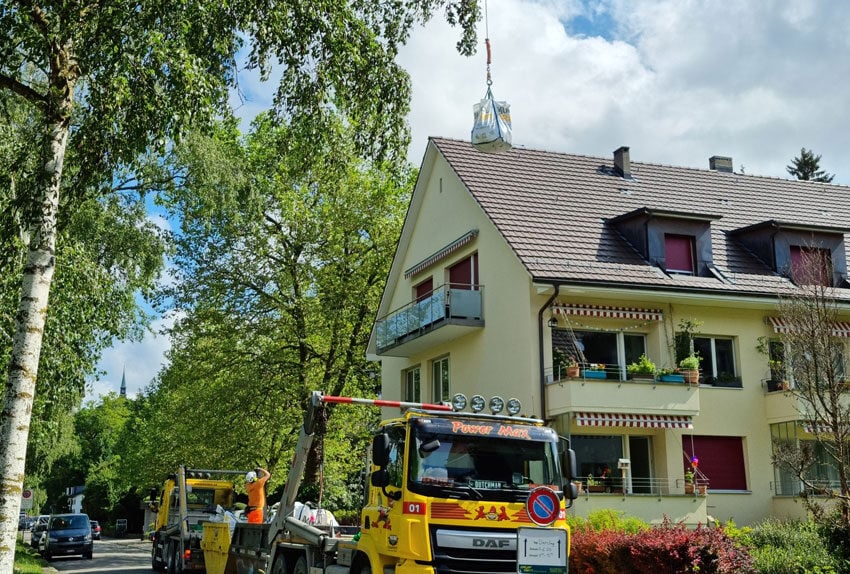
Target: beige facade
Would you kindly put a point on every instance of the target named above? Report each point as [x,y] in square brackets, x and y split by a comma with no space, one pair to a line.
[493,333]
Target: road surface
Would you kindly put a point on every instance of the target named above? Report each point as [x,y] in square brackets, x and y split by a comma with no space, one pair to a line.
[123,555]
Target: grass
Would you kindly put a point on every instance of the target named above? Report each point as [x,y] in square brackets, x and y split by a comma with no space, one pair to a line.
[27,560]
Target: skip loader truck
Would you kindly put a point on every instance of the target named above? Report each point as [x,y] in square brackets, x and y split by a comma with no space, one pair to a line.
[188,498]
[447,492]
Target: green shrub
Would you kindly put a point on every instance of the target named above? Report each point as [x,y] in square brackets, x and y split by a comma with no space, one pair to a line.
[791,547]
[607,519]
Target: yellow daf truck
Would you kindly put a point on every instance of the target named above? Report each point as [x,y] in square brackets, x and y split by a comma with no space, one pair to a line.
[448,491]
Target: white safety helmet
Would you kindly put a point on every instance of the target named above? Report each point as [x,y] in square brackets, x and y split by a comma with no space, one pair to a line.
[251,476]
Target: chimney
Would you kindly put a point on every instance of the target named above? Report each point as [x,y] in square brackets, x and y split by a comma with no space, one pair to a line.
[720,163]
[622,164]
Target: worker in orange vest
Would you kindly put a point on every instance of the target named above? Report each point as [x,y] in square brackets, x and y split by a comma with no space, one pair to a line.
[255,484]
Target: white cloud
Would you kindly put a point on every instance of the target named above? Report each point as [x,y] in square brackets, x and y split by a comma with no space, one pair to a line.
[140,360]
[676,80]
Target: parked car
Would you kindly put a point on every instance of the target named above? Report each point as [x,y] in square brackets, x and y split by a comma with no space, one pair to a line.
[38,529]
[67,534]
[95,530]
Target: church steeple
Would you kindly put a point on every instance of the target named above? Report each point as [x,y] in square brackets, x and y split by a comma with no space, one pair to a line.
[123,392]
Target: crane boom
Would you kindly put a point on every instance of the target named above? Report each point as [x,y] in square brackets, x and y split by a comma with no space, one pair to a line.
[312,415]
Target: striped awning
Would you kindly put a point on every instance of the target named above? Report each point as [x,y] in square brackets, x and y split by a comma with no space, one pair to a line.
[779,325]
[817,428]
[441,254]
[608,312]
[634,420]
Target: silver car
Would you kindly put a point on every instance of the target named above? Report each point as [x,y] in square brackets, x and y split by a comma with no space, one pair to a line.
[38,529]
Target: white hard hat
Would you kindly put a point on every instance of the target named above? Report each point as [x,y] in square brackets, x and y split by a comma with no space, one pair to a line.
[251,476]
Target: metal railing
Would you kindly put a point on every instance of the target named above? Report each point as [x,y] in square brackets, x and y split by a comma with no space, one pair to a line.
[822,488]
[418,317]
[636,485]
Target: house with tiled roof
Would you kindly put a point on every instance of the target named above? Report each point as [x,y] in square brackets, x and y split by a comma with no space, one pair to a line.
[509,263]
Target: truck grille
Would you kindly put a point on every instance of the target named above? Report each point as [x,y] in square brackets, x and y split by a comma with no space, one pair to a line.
[467,551]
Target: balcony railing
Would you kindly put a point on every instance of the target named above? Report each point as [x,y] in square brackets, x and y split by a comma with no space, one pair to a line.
[447,304]
[822,488]
[657,486]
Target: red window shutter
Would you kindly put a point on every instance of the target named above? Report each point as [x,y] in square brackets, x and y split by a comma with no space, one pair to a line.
[721,460]
[424,289]
[679,253]
[463,274]
[812,266]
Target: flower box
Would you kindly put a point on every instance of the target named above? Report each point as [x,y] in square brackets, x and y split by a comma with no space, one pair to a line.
[588,374]
[672,378]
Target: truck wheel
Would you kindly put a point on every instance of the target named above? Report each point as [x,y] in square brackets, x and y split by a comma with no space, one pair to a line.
[168,552]
[366,569]
[301,566]
[176,566]
[279,564]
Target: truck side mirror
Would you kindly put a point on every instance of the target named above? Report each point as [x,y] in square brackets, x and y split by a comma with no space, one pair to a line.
[381,450]
[153,494]
[380,478]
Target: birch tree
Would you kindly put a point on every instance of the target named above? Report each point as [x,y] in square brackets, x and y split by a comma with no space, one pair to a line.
[816,356]
[115,79]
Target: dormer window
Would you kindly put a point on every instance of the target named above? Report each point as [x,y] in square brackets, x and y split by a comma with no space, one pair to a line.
[679,253]
[678,242]
[811,265]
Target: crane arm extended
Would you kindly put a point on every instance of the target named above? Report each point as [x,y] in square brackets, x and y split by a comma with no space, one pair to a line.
[312,416]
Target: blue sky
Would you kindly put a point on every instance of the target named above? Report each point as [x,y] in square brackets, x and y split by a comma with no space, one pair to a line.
[677,81]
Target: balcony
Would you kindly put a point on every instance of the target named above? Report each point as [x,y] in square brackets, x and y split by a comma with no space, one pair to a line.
[447,313]
[605,392]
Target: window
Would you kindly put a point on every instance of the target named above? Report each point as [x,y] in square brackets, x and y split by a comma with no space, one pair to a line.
[599,455]
[679,253]
[464,274]
[440,380]
[412,385]
[395,467]
[615,350]
[811,266]
[424,289]
[716,358]
[721,460]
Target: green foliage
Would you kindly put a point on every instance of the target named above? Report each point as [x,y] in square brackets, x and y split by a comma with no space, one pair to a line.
[807,167]
[28,560]
[282,255]
[607,519]
[691,362]
[643,366]
[789,547]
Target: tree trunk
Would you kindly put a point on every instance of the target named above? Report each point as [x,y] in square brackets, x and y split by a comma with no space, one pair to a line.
[26,346]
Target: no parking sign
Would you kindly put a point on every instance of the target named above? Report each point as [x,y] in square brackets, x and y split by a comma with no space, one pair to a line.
[26,499]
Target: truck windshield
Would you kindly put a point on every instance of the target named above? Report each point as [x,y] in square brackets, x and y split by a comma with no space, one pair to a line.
[472,459]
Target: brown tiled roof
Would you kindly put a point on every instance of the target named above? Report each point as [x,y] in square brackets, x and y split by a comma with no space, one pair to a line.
[552,209]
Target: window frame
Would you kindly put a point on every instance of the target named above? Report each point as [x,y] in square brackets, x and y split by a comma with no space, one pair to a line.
[712,360]
[676,240]
[442,384]
[570,347]
[412,376]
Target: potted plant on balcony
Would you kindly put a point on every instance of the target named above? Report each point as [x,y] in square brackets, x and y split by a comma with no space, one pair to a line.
[670,376]
[689,481]
[642,369]
[595,371]
[594,484]
[565,363]
[689,368]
